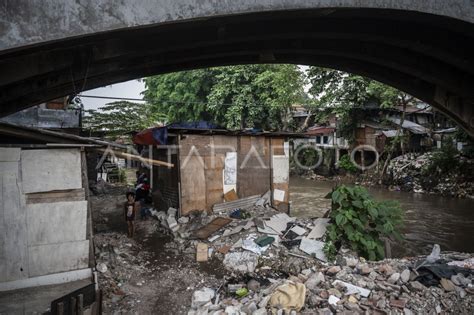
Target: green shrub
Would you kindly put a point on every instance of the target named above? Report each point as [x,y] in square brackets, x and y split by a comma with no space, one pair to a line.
[346,164]
[359,222]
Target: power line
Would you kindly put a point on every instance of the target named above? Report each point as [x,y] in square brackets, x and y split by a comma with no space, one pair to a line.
[113,98]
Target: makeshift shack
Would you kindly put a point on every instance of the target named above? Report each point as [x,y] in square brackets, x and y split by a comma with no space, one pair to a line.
[45,217]
[214,165]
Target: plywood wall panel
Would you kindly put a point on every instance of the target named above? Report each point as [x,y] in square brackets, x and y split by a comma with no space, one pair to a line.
[193,184]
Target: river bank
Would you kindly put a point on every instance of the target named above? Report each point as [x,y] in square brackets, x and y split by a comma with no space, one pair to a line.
[428,173]
[157,272]
[428,219]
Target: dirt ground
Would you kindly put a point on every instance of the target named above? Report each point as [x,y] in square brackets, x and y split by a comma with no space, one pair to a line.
[145,274]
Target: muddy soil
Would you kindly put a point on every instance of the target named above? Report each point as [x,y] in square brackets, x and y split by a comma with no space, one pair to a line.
[145,274]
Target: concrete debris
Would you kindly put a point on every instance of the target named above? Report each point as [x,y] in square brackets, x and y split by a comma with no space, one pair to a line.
[313,247]
[352,289]
[347,285]
[241,261]
[278,222]
[101,267]
[202,297]
[319,229]
[298,230]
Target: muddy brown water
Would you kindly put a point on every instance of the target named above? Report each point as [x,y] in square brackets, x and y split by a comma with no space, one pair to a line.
[429,219]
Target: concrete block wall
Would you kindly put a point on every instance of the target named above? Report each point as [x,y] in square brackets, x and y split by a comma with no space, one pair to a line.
[47,236]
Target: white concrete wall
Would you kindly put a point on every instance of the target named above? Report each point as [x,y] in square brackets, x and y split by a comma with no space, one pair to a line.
[51,169]
[38,239]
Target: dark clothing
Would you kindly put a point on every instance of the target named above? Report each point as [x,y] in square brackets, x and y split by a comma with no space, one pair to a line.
[130,210]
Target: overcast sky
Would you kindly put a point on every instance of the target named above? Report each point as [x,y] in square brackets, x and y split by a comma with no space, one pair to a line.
[128,89]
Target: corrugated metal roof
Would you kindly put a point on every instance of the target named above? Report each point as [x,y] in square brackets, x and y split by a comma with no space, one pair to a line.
[413,127]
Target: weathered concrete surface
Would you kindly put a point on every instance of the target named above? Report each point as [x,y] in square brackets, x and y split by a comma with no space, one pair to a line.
[56,222]
[45,118]
[40,238]
[13,243]
[25,22]
[48,170]
[54,258]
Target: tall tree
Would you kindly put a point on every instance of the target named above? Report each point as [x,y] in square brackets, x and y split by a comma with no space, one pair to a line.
[181,96]
[234,96]
[122,117]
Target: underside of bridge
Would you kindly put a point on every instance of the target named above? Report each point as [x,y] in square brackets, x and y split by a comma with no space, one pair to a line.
[428,56]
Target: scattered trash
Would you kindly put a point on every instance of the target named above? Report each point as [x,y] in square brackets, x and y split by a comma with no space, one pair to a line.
[242,292]
[212,227]
[241,261]
[319,229]
[101,267]
[264,240]
[241,203]
[289,296]
[434,256]
[202,297]
[201,252]
[313,247]
[240,214]
[230,196]
[352,289]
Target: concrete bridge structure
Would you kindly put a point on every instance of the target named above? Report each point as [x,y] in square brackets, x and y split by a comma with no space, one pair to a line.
[52,48]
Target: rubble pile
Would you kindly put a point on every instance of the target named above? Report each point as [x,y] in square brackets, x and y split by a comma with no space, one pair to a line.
[351,286]
[275,264]
[406,171]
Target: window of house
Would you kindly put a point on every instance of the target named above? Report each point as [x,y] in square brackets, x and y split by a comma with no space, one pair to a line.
[325,139]
[318,139]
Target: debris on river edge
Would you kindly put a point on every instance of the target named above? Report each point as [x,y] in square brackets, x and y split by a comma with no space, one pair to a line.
[271,263]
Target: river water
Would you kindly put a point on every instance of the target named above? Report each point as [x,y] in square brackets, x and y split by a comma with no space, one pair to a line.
[428,219]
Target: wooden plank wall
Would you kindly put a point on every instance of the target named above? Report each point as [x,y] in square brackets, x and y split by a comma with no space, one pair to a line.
[253,166]
[202,163]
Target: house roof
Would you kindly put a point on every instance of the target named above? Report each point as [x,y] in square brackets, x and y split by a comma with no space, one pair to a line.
[159,135]
[319,130]
[411,126]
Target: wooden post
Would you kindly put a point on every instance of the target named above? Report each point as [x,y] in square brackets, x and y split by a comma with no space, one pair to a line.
[80,304]
[89,229]
[72,306]
[60,310]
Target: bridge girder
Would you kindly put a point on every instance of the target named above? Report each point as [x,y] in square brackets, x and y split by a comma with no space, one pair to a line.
[427,55]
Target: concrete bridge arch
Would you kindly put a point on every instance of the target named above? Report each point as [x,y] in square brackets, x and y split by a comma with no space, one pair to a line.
[52,48]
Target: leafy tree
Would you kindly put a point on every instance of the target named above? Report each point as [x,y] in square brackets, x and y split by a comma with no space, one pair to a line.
[234,96]
[181,96]
[119,118]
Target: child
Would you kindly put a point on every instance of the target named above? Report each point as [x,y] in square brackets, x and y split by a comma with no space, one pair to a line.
[130,209]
